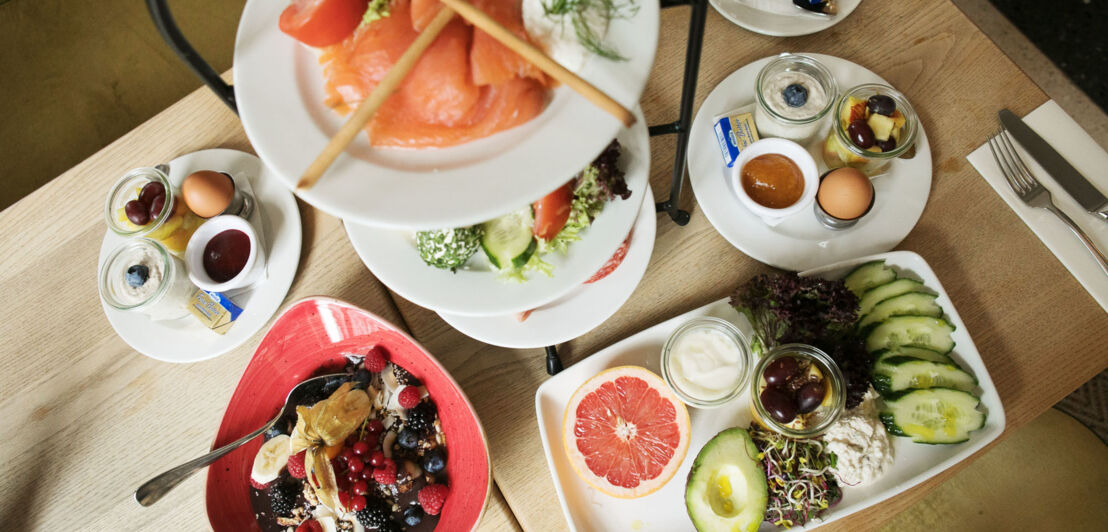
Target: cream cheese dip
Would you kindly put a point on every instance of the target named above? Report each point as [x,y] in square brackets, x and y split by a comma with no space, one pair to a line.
[706,362]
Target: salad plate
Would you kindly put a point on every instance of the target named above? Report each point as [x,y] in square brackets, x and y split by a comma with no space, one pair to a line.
[477,290]
[317,333]
[579,311]
[186,339]
[586,508]
[781,24]
[800,242]
[279,87]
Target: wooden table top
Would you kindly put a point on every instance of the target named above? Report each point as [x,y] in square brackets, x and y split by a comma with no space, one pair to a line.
[89,419]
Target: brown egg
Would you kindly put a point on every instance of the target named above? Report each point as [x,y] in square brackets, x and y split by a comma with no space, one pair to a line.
[845,193]
[207,193]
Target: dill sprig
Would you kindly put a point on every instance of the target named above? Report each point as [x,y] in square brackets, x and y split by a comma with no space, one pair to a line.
[585,15]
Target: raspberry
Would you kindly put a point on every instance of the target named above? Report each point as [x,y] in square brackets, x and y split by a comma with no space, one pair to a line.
[311,525]
[376,359]
[409,397]
[386,474]
[296,465]
[256,485]
[432,497]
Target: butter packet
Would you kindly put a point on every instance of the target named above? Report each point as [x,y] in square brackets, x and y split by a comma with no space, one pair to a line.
[734,132]
[215,310]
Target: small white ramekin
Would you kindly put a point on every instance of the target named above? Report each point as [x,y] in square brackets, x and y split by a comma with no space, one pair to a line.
[252,272]
[794,152]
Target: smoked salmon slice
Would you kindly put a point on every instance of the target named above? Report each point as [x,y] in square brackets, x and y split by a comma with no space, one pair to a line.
[493,62]
[439,103]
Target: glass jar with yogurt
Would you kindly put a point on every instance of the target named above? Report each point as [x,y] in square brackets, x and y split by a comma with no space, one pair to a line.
[143,203]
[706,362]
[794,93]
[142,276]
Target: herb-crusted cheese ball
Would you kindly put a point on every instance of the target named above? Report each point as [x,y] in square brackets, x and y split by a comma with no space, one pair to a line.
[448,248]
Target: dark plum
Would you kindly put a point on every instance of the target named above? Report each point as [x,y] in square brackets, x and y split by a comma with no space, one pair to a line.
[809,397]
[886,145]
[860,134]
[780,371]
[881,104]
[780,405]
[136,212]
[150,191]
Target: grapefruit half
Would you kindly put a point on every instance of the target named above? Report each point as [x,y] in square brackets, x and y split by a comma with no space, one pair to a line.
[625,432]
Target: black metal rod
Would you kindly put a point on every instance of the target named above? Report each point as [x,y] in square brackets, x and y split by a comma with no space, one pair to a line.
[664,129]
[688,97]
[553,363]
[172,35]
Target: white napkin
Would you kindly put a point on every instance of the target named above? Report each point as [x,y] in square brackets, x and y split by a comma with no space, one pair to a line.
[1064,135]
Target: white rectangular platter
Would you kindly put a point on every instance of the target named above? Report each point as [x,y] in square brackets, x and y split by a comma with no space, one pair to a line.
[664,510]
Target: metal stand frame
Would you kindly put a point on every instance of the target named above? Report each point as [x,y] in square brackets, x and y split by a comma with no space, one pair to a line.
[167,27]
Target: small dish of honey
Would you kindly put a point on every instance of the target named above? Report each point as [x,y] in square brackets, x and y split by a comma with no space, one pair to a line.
[775,178]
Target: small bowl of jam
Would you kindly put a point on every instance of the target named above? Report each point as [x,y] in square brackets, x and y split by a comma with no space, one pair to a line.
[225,254]
[775,178]
[797,390]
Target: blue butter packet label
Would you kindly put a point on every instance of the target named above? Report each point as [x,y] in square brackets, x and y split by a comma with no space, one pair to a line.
[215,310]
[734,132]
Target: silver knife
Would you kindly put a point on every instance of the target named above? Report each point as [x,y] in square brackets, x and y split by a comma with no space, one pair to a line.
[1075,184]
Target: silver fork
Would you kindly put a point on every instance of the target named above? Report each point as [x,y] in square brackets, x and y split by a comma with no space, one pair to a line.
[1031,191]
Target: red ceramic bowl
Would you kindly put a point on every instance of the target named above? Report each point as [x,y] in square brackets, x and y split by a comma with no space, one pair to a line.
[315,333]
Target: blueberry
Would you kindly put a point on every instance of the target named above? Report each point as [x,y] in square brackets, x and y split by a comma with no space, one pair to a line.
[408,439]
[413,515]
[361,379]
[796,95]
[434,462]
[137,275]
[881,104]
[273,432]
[332,384]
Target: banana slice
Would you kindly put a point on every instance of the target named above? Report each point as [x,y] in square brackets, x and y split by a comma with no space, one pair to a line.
[271,459]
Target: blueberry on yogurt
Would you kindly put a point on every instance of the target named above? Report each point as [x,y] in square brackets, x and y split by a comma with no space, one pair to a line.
[796,95]
[137,275]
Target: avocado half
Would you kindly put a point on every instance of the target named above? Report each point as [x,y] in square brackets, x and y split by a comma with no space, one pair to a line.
[726,489]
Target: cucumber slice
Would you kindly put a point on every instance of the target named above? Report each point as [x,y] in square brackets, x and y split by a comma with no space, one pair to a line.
[934,415]
[877,294]
[895,374]
[915,331]
[910,304]
[869,275]
[508,241]
[913,352]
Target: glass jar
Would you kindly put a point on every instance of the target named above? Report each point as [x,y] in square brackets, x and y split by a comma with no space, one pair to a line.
[173,225]
[164,290]
[807,425]
[700,366]
[774,116]
[840,151]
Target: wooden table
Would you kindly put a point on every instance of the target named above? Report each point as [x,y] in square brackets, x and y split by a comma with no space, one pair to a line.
[88,419]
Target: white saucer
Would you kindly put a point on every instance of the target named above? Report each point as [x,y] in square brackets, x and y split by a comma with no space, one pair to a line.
[578,312]
[800,242]
[186,339]
[780,25]
[476,289]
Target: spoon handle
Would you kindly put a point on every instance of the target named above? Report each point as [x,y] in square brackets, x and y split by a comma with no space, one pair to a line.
[155,488]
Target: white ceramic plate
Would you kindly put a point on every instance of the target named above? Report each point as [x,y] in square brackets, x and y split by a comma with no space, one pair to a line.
[587,509]
[579,311]
[800,242]
[279,89]
[476,291]
[781,25]
[185,339]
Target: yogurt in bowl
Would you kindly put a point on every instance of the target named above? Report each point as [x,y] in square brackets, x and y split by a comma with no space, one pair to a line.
[706,362]
[794,94]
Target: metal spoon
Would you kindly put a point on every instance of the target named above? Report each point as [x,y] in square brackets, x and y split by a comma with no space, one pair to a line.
[153,490]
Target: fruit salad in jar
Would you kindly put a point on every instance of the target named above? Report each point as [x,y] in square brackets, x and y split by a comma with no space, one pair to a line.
[874,125]
[144,203]
[386,472]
